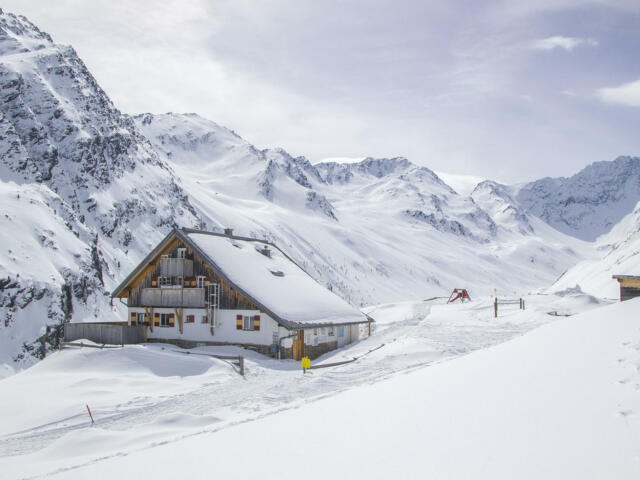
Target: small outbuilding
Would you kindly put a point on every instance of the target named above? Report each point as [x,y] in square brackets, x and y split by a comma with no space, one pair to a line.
[200,287]
[629,286]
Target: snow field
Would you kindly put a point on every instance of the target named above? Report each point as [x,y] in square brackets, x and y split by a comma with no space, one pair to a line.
[144,396]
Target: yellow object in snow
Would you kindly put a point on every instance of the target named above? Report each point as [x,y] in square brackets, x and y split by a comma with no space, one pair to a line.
[306,363]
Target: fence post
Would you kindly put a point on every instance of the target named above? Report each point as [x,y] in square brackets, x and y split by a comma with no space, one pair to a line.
[122,336]
[495,308]
[523,303]
[241,365]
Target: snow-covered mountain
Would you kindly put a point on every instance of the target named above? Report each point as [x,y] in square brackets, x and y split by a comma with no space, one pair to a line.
[87,191]
[589,203]
[376,230]
[617,253]
[80,188]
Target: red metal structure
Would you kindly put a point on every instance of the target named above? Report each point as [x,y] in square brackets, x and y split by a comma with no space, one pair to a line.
[459,293]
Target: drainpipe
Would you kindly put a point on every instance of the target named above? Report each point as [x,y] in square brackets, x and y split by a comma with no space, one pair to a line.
[280,342]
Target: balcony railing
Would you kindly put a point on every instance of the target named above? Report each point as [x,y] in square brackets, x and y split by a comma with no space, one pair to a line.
[173,297]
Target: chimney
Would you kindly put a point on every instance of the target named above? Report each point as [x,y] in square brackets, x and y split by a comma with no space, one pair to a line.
[265,251]
[228,232]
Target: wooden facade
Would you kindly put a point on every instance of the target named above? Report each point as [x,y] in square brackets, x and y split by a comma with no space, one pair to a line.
[146,291]
[629,286]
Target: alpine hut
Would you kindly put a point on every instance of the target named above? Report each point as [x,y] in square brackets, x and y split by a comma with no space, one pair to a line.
[629,286]
[198,287]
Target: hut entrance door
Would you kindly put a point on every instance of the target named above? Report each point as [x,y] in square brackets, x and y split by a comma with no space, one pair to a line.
[298,346]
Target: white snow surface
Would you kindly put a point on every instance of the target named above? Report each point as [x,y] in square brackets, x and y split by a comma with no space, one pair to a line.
[557,402]
[276,282]
[616,253]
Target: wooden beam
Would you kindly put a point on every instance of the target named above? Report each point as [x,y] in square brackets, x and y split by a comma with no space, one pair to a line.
[179,311]
[149,312]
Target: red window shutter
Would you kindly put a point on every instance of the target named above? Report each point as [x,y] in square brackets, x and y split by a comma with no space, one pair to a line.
[171,320]
[256,322]
[238,322]
[156,319]
[133,318]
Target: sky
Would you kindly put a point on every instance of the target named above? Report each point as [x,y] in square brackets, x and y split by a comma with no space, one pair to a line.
[509,90]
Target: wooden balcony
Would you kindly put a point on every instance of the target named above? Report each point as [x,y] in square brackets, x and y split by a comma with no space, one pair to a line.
[172,297]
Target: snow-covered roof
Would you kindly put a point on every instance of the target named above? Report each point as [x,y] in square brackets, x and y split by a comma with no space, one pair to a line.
[274,282]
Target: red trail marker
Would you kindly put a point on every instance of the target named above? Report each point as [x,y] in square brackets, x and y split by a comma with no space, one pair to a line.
[89,410]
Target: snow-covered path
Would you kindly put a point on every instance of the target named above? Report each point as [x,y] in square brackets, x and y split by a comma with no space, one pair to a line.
[186,395]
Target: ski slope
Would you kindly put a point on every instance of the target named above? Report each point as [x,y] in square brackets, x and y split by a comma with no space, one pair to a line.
[147,398]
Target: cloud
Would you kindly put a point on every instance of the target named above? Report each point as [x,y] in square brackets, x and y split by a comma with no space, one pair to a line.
[567,43]
[626,94]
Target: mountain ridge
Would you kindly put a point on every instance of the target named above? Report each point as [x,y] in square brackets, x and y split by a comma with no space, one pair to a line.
[87,191]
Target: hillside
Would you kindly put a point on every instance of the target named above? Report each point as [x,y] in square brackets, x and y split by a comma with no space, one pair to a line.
[557,401]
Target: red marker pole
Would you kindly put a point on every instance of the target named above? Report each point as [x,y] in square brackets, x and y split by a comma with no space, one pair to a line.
[89,410]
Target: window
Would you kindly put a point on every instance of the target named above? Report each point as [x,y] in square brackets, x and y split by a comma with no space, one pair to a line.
[191,319]
[140,318]
[247,322]
[341,331]
[204,319]
[179,281]
[331,334]
[163,281]
[182,252]
[201,281]
[164,319]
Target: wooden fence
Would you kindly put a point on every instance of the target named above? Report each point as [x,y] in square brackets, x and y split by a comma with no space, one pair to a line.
[105,333]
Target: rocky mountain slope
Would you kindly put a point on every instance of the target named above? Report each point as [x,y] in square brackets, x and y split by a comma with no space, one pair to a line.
[80,188]
[589,203]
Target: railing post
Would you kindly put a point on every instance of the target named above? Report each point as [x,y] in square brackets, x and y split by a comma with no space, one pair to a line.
[495,308]
[241,365]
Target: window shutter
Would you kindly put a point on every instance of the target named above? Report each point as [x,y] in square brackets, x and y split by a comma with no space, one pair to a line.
[156,319]
[238,322]
[256,322]
[133,318]
[171,319]
[154,282]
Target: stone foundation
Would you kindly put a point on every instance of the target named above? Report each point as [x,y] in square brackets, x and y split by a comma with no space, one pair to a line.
[314,351]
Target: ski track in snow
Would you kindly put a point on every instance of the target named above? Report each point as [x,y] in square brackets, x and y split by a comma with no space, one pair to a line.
[271,386]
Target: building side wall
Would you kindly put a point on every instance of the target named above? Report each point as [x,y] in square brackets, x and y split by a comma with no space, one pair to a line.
[629,282]
[627,293]
[225,330]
